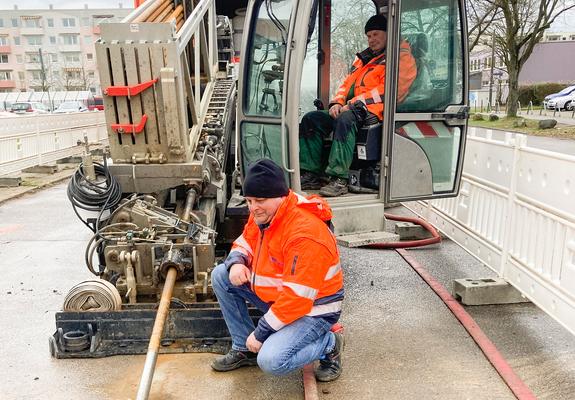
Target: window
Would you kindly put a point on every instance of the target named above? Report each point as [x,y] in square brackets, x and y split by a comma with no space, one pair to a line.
[69,39]
[17,40]
[34,40]
[56,74]
[33,57]
[91,74]
[68,22]
[21,75]
[89,56]
[37,75]
[3,40]
[1,23]
[54,57]
[52,39]
[72,57]
[85,21]
[50,22]
[5,76]
[72,74]
[14,22]
[3,58]
[88,39]
[32,23]
[19,59]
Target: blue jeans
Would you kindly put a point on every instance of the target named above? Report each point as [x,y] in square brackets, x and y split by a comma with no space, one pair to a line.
[295,345]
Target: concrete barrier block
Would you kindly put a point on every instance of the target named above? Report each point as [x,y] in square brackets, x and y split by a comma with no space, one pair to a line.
[474,292]
[10,181]
[411,231]
[42,169]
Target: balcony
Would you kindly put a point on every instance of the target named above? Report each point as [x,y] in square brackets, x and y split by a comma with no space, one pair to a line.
[31,66]
[24,31]
[5,49]
[76,48]
[7,84]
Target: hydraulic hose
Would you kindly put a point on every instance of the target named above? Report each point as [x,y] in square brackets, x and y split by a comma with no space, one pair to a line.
[435,238]
[98,195]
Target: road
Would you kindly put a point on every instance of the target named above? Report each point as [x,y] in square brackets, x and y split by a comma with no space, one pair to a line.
[402,342]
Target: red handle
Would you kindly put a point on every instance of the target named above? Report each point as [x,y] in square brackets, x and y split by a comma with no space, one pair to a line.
[130,128]
[131,90]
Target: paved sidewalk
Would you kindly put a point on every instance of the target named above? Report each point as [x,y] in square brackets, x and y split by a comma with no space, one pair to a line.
[34,182]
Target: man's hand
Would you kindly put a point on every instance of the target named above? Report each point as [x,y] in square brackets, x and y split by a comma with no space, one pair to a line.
[239,274]
[253,344]
[335,110]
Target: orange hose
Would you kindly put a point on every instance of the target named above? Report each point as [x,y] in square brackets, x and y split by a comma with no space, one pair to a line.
[435,238]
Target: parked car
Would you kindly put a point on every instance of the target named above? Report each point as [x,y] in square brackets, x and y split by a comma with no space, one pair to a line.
[29,107]
[96,104]
[70,106]
[564,102]
[567,91]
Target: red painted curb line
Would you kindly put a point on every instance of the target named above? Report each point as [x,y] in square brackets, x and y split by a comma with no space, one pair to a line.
[517,386]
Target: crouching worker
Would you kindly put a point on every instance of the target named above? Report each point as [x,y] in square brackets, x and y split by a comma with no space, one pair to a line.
[286,263]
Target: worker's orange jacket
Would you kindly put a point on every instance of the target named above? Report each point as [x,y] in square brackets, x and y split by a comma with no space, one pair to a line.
[294,263]
[367,79]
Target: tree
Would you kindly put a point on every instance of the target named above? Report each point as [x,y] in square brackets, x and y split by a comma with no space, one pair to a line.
[521,27]
[480,15]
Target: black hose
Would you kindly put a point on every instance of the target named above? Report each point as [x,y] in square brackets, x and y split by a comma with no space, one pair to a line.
[98,195]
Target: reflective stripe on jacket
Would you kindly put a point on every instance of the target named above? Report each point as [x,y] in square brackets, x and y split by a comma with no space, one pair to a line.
[368,81]
[294,263]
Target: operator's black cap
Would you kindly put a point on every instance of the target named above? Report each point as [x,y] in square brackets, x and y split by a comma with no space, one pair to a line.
[376,23]
[265,179]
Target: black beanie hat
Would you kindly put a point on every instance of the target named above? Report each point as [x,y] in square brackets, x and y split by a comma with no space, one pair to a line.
[376,23]
[265,179]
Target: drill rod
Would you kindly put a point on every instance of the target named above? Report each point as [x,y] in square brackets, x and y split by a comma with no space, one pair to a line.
[157,332]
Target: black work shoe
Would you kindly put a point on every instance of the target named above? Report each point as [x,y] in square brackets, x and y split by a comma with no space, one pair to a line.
[310,181]
[336,187]
[235,359]
[329,369]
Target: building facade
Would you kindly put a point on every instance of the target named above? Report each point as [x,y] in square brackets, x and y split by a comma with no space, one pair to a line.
[51,49]
[552,60]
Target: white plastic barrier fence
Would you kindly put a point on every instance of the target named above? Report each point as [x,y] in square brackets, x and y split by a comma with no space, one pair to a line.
[26,141]
[516,213]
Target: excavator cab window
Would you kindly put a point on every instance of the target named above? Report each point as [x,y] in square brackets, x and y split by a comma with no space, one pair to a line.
[264,76]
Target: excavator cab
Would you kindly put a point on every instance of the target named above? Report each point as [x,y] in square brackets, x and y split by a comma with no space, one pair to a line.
[297,53]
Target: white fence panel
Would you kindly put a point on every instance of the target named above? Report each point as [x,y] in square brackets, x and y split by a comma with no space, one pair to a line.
[516,213]
[26,141]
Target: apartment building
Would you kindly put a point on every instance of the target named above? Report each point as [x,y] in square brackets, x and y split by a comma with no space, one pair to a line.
[52,49]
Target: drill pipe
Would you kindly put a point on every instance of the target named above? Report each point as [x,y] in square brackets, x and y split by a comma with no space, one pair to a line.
[157,332]
[163,310]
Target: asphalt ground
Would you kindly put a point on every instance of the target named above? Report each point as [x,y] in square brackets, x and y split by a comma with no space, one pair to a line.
[401,341]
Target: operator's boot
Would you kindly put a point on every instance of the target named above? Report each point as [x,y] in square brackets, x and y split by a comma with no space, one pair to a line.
[235,359]
[310,181]
[329,368]
[336,187]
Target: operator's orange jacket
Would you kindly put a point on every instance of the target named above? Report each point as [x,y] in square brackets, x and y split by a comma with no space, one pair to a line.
[294,263]
[367,79]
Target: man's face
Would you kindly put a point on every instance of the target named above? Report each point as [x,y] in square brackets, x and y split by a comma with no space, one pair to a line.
[376,40]
[263,209]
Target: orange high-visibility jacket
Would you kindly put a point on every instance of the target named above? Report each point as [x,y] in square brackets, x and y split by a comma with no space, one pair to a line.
[368,81]
[294,263]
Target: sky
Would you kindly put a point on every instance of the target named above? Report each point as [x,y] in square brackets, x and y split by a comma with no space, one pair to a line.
[64,4]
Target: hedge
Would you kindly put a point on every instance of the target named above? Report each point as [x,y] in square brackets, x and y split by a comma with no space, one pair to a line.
[537,92]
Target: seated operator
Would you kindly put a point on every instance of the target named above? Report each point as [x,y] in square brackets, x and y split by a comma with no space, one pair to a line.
[363,89]
[286,263]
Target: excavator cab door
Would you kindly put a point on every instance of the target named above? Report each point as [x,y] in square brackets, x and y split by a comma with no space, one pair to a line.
[261,129]
[426,129]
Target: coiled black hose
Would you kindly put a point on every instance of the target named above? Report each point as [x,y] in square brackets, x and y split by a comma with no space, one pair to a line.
[98,195]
